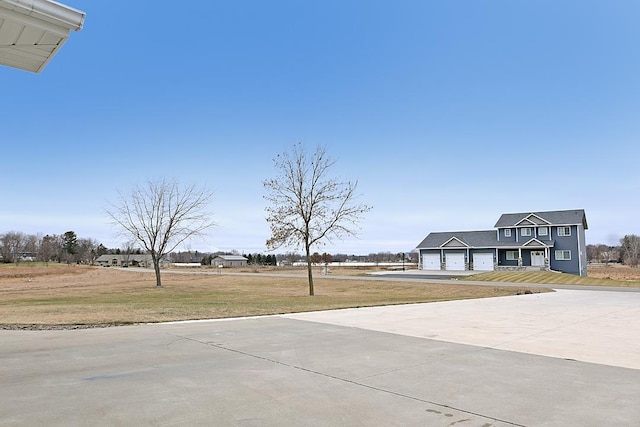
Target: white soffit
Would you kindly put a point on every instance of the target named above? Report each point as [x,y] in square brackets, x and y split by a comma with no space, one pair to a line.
[32,31]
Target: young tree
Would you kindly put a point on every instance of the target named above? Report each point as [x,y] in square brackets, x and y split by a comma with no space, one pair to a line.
[308,205]
[162,215]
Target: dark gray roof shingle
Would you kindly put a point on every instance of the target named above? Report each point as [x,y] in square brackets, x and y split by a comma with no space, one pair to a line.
[568,217]
[484,238]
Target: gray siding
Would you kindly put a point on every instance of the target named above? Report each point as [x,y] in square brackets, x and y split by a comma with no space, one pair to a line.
[543,238]
[503,261]
[504,238]
[566,243]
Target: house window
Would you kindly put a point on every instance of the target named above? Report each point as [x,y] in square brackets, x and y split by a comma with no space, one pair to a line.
[512,255]
[526,231]
[507,232]
[543,231]
[564,231]
[563,255]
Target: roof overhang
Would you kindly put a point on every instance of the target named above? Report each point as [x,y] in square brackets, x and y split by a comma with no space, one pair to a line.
[33,31]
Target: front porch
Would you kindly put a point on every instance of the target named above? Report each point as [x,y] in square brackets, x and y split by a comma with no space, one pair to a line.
[524,258]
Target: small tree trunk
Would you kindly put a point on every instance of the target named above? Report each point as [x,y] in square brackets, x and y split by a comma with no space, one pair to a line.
[309,272]
[156,267]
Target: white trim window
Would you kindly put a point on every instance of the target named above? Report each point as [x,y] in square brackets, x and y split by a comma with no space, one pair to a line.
[507,232]
[512,255]
[525,232]
[563,255]
[564,231]
[543,231]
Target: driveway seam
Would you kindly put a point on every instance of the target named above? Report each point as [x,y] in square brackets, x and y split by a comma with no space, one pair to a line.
[345,380]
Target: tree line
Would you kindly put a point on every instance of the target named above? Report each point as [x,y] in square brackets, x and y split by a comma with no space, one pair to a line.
[16,246]
[627,252]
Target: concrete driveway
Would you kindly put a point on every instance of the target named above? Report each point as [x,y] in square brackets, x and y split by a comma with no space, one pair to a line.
[562,359]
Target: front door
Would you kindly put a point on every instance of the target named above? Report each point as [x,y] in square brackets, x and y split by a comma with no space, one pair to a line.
[537,259]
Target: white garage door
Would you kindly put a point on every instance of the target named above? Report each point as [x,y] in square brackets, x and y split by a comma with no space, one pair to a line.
[431,262]
[454,261]
[483,262]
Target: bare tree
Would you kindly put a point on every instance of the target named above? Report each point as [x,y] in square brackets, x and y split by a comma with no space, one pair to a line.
[50,247]
[162,215]
[128,248]
[87,250]
[32,245]
[630,248]
[307,204]
[12,245]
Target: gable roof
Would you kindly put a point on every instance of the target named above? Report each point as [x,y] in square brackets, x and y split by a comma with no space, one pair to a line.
[33,31]
[454,242]
[535,243]
[568,217]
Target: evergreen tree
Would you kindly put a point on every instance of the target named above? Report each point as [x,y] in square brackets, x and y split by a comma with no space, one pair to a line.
[70,242]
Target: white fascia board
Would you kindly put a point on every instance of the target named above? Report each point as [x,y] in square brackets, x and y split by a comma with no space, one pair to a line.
[48,11]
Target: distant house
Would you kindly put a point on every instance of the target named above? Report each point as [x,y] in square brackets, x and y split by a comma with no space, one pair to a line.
[144,261]
[229,261]
[553,240]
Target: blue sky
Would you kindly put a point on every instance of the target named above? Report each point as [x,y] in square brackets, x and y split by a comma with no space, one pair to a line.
[448,113]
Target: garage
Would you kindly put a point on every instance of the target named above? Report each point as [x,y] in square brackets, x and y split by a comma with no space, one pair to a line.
[431,261]
[454,261]
[483,262]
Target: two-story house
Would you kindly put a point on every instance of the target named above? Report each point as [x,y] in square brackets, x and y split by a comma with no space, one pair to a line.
[553,240]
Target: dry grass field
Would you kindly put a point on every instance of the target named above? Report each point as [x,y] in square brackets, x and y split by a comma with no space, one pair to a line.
[615,272]
[64,296]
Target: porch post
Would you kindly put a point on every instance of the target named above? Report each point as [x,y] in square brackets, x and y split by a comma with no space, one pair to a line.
[547,261]
[519,257]
[468,263]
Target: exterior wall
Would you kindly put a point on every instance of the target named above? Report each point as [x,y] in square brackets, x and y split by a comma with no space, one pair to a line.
[228,263]
[543,238]
[143,261]
[502,258]
[582,248]
[566,243]
[535,233]
[522,238]
[503,238]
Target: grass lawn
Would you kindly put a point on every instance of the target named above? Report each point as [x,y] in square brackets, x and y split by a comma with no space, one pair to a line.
[547,277]
[80,295]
